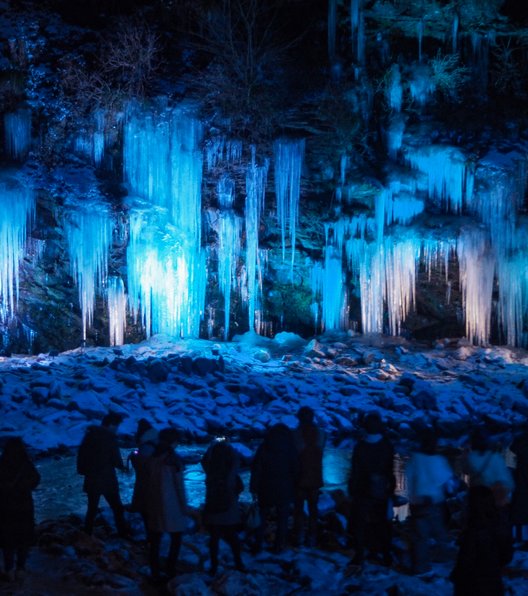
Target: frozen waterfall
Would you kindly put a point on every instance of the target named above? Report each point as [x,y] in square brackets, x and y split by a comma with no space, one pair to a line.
[17,129]
[17,206]
[288,166]
[88,230]
[166,264]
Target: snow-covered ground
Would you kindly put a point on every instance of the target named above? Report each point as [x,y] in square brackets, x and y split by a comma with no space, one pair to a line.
[205,388]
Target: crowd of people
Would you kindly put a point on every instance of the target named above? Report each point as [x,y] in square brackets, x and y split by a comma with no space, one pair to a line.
[286,479]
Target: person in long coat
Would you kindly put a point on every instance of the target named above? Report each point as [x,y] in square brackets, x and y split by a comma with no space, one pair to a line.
[309,440]
[18,479]
[519,504]
[166,502]
[485,547]
[371,484]
[97,460]
[273,480]
[146,441]
[222,509]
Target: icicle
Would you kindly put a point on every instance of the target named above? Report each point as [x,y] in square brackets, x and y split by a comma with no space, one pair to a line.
[332,27]
[166,264]
[480,51]
[116,301]
[327,282]
[99,137]
[17,127]
[166,276]
[357,30]
[229,235]
[218,150]
[288,165]
[256,177]
[89,235]
[394,91]
[476,269]
[395,135]
[454,34]
[449,179]
[17,209]
[420,32]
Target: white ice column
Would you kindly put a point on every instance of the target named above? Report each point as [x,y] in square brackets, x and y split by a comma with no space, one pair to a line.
[288,166]
[17,128]
[163,165]
[17,208]
[256,177]
[229,250]
[476,261]
[117,304]
[88,230]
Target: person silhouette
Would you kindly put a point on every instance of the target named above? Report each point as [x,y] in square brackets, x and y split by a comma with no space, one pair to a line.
[97,460]
[18,479]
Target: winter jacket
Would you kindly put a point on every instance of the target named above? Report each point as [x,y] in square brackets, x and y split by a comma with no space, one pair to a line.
[139,460]
[222,492]
[428,476]
[371,475]
[166,499]
[17,517]
[97,459]
[274,473]
[309,442]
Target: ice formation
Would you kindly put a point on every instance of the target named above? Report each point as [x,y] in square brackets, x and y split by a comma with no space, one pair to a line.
[288,166]
[88,230]
[17,129]
[166,263]
[448,178]
[116,304]
[256,178]
[17,205]
[229,240]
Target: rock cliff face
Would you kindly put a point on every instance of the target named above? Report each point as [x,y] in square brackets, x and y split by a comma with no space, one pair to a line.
[166,170]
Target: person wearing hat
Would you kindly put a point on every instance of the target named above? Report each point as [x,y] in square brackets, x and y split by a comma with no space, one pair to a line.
[370,486]
[97,460]
[309,443]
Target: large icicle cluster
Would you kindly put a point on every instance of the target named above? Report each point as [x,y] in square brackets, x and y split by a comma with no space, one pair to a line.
[288,166]
[256,178]
[17,130]
[17,207]
[88,230]
[166,263]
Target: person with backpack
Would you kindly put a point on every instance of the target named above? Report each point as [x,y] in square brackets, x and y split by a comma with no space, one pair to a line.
[309,443]
[370,486]
[97,460]
[223,486]
[166,502]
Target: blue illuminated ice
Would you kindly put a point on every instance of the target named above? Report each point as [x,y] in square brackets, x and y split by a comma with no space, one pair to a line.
[88,230]
[17,209]
[256,178]
[17,132]
[117,308]
[288,166]
[167,273]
